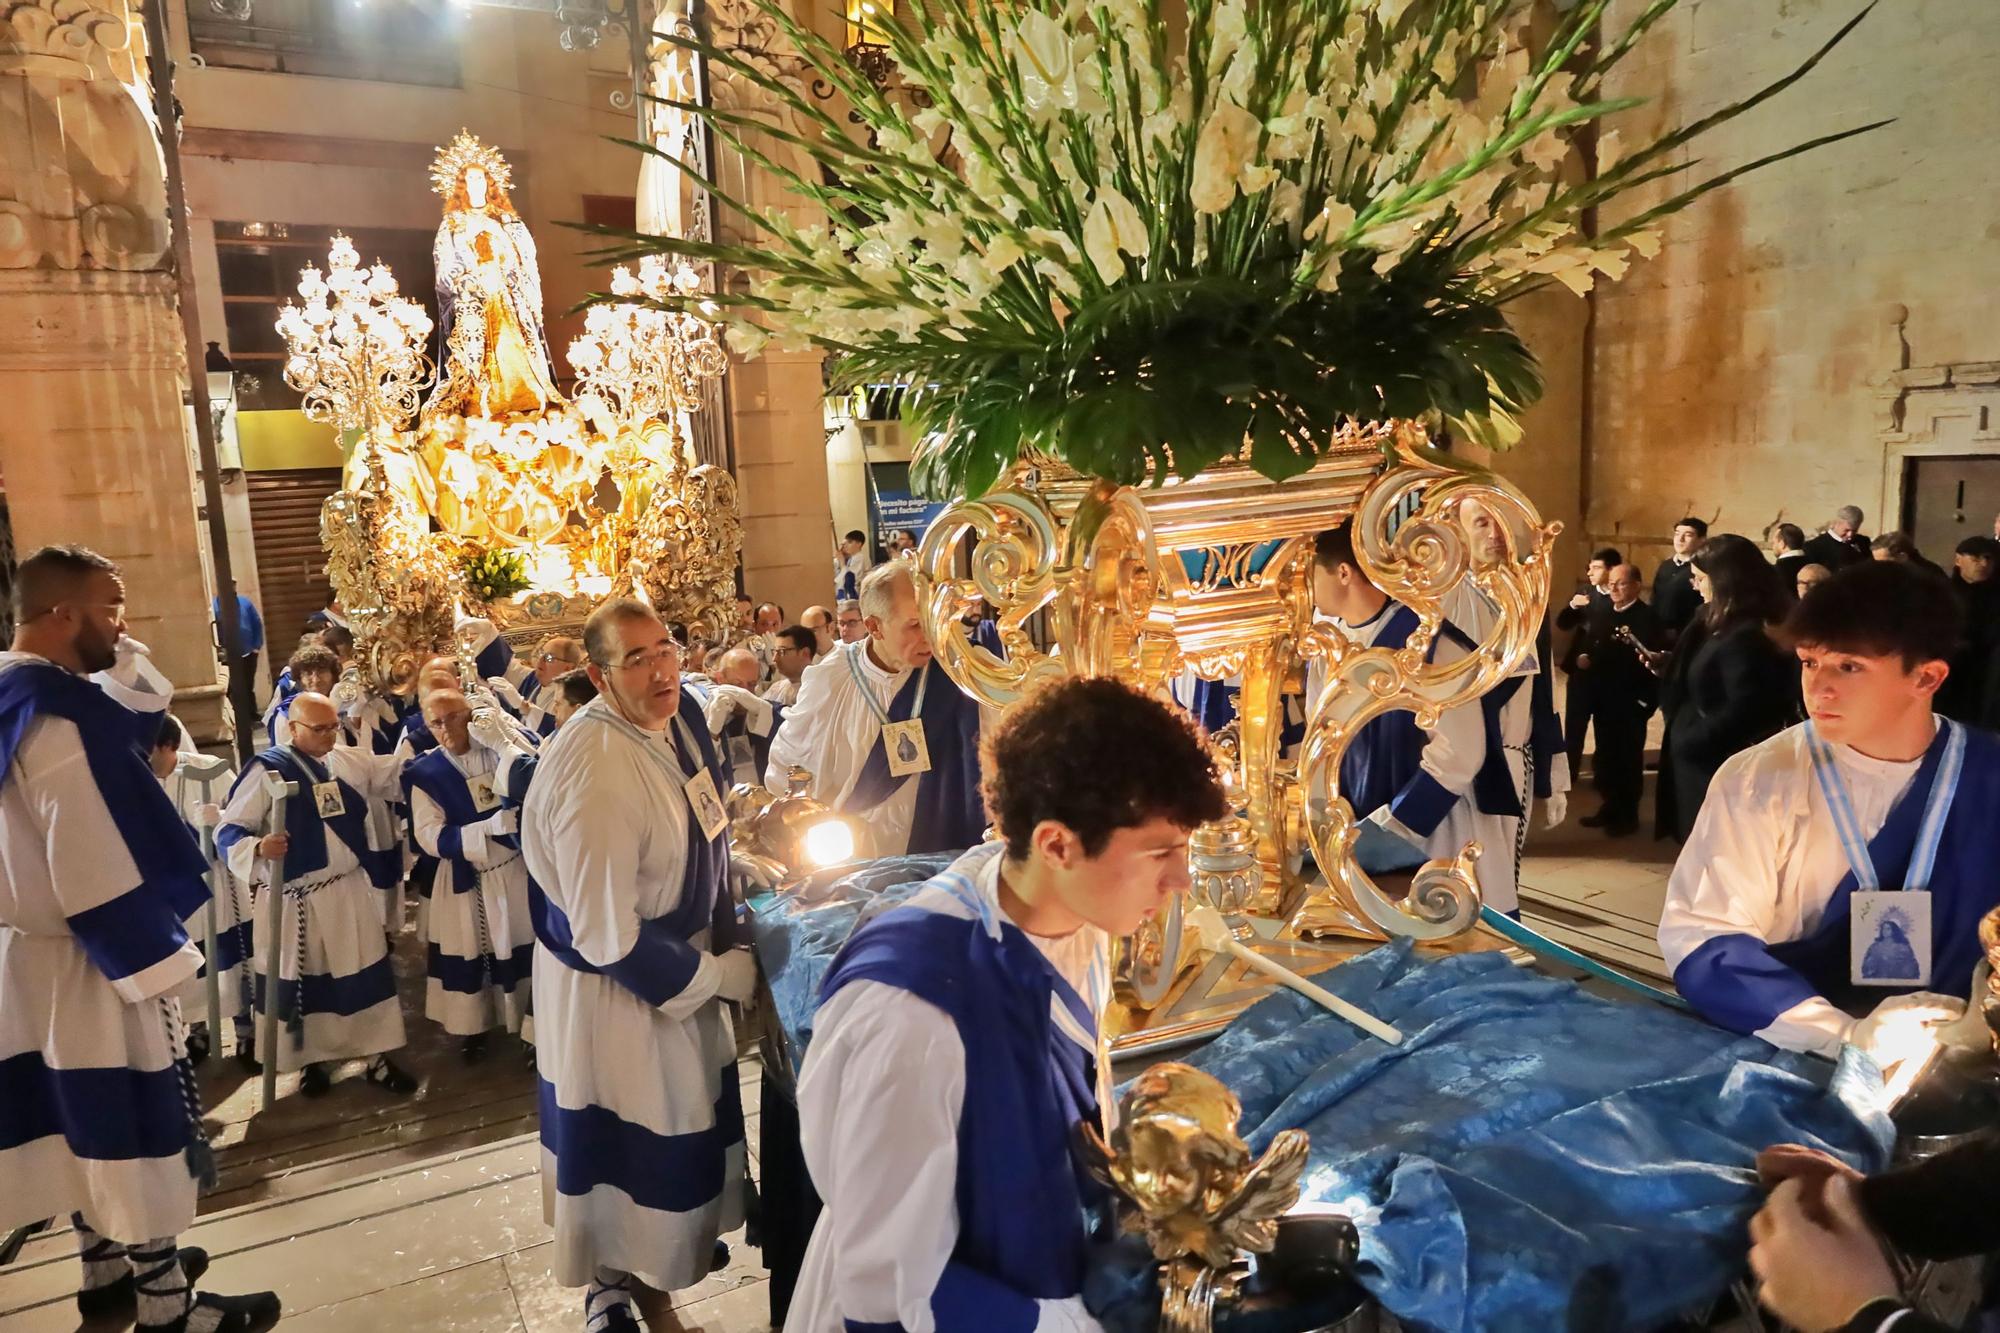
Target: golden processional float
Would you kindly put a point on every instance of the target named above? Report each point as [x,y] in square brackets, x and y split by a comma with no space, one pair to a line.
[495,496]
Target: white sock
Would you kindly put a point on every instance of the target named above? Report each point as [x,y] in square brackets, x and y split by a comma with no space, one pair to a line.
[104,1261]
[163,1287]
[611,1290]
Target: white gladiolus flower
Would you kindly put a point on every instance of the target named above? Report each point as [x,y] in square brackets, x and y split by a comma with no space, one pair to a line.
[1042,55]
[1113,228]
[1220,154]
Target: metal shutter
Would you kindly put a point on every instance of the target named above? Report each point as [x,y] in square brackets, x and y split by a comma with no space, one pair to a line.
[291,567]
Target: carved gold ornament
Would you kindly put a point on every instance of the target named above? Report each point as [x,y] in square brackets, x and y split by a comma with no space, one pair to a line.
[1188,1184]
[1210,579]
[464,152]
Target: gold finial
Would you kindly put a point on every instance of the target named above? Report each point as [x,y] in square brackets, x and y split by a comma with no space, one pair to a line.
[464,152]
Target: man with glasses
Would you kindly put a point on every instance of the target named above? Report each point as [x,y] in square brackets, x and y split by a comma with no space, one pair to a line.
[335,992]
[533,700]
[99,874]
[884,732]
[797,649]
[625,835]
[848,622]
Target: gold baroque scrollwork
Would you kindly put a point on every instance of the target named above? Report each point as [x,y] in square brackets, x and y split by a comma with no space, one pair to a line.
[1012,568]
[1468,547]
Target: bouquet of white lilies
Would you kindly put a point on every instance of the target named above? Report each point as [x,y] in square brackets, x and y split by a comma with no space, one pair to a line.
[1143,246]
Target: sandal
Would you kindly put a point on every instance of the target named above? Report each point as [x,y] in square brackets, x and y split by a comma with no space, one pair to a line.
[121,1296]
[384,1074]
[235,1314]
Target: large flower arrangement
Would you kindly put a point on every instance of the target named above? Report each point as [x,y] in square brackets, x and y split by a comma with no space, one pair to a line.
[1143,246]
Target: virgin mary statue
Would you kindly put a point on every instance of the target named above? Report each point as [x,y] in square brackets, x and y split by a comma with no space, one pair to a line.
[489,288]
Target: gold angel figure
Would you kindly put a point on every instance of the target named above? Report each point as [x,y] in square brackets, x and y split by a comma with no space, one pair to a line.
[1177,1159]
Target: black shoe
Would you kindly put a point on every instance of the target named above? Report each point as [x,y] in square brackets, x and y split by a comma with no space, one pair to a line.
[197,1046]
[720,1260]
[1593,821]
[1623,828]
[474,1048]
[240,1314]
[119,1297]
[315,1081]
[384,1074]
[248,1062]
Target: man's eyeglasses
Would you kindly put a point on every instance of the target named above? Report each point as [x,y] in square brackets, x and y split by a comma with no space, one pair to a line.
[550,659]
[317,728]
[665,655]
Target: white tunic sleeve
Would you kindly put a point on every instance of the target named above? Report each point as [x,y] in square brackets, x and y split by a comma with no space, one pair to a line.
[799,740]
[88,864]
[248,810]
[378,777]
[1726,882]
[588,862]
[878,1116]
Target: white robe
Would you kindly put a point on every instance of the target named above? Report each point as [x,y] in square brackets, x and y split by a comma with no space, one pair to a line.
[60,855]
[1764,860]
[343,917]
[830,731]
[879,1105]
[233,919]
[489,919]
[604,832]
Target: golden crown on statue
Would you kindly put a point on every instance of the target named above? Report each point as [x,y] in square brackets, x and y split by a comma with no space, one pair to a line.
[464,152]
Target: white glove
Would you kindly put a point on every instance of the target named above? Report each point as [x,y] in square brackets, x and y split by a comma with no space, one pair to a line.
[128,647]
[737,980]
[1555,810]
[1905,1025]
[490,730]
[506,822]
[728,700]
[504,690]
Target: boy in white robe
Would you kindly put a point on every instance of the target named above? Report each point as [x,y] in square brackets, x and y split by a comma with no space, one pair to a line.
[99,1118]
[1873,808]
[336,988]
[481,937]
[955,1047]
[641,1120]
[1416,787]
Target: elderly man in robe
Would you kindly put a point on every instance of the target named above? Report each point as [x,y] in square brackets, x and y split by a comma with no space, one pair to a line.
[625,835]
[481,937]
[884,732]
[99,1119]
[335,989]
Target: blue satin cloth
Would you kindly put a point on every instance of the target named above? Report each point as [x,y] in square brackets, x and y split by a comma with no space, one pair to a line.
[796,942]
[1533,1156]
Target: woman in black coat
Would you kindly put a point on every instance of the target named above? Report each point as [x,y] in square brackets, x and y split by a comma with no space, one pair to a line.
[1730,685]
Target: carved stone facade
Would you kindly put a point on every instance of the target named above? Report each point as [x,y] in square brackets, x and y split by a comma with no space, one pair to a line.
[93,442]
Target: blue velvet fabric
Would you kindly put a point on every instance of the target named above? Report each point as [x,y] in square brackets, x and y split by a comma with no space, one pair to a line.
[1532,1156]
[796,942]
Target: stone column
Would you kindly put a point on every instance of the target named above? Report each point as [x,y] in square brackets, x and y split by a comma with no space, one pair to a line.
[93,438]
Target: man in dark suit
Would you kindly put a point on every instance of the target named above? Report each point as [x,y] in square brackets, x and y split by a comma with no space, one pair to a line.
[1624,693]
[1573,619]
[1674,599]
[1788,554]
[1841,544]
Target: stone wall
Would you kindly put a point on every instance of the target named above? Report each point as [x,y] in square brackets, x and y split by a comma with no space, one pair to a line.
[1735,376]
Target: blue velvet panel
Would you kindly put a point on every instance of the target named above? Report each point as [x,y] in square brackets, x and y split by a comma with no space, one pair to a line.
[1532,1156]
[796,943]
